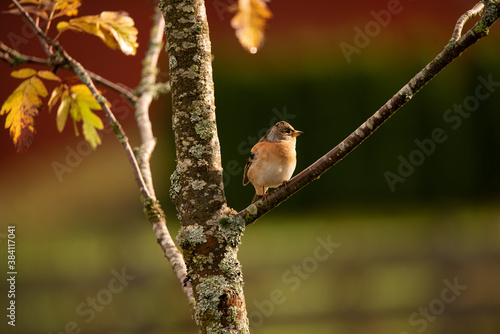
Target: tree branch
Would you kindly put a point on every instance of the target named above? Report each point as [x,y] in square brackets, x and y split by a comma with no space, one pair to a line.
[156,217]
[451,51]
[457,33]
[119,88]
[152,207]
[85,78]
[15,58]
[147,91]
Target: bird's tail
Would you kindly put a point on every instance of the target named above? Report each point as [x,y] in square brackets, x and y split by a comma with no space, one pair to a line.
[256,198]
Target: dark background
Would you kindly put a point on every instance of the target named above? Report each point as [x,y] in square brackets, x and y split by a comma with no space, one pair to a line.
[397,245]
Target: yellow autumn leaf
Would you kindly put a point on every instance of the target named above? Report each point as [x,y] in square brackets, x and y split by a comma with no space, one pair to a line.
[66,7]
[85,101]
[91,123]
[23,73]
[63,111]
[21,107]
[60,92]
[250,22]
[48,75]
[38,90]
[78,102]
[31,6]
[84,94]
[115,29]
[48,9]
[55,96]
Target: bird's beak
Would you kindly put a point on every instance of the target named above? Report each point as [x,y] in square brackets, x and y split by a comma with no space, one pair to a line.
[297,133]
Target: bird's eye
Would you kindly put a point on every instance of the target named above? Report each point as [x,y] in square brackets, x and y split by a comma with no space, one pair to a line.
[288,131]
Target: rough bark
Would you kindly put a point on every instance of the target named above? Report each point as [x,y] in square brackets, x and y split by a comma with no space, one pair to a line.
[208,238]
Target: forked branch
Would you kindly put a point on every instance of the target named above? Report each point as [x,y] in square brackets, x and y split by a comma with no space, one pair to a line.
[139,160]
[85,78]
[452,50]
[457,33]
[140,164]
[15,58]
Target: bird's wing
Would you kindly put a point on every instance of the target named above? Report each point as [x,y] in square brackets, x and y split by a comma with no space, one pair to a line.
[247,166]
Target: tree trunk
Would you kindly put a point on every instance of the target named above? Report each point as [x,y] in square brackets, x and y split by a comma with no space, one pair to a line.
[208,237]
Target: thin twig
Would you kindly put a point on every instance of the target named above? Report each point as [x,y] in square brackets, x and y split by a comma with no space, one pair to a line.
[153,210]
[119,88]
[314,171]
[175,259]
[85,78]
[14,58]
[457,33]
[143,103]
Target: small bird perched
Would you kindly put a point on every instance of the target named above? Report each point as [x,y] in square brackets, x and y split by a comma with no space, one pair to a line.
[272,160]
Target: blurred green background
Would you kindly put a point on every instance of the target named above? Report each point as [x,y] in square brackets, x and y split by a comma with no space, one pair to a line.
[399,249]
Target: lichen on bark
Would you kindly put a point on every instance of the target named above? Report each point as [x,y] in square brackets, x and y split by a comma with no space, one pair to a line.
[209,247]
[197,144]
